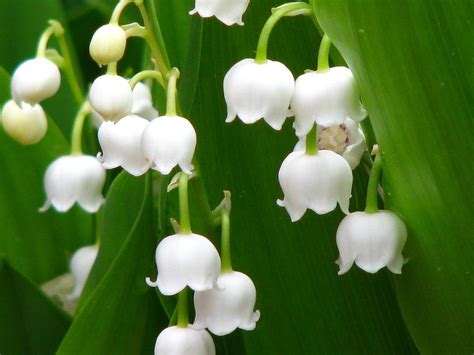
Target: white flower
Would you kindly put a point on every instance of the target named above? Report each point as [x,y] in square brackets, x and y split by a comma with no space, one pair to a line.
[327,98]
[228,307]
[35,80]
[81,265]
[253,91]
[26,124]
[108,44]
[184,341]
[227,11]
[111,96]
[121,144]
[346,139]
[372,240]
[169,141]
[186,260]
[71,179]
[317,182]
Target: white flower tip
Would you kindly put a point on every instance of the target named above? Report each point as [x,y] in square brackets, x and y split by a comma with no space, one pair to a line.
[281,203]
[45,207]
[151,283]
[193,12]
[230,118]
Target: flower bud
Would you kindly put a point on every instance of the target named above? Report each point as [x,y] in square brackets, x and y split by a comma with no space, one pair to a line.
[253,91]
[26,124]
[228,12]
[142,102]
[372,240]
[35,80]
[184,341]
[81,265]
[108,44]
[111,96]
[169,141]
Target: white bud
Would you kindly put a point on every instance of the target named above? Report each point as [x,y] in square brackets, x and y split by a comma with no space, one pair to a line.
[111,96]
[35,80]
[372,240]
[327,98]
[71,179]
[108,44]
[26,124]
[121,144]
[184,341]
[228,307]
[142,102]
[186,260]
[317,182]
[253,91]
[227,11]
[169,141]
[81,265]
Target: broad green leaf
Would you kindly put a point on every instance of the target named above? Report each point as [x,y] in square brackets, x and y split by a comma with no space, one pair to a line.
[29,322]
[414,64]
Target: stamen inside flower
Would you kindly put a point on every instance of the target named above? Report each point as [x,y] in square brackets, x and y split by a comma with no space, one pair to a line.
[334,138]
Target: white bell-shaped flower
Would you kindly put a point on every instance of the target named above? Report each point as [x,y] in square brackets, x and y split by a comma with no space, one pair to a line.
[81,265]
[26,124]
[184,341]
[76,178]
[326,98]
[227,11]
[254,91]
[346,139]
[169,141]
[111,96]
[121,144]
[186,260]
[142,102]
[108,44]
[228,307]
[317,182]
[35,80]
[372,240]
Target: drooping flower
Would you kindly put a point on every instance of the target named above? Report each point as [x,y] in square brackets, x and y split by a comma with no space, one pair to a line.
[77,178]
[35,80]
[81,265]
[326,98]
[372,240]
[26,124]
[108,44]
[228,307]
[184,341]
[253,91]
[121,144]
[169,141]
[186,260]
[318,182]
[111,96]
[227,11]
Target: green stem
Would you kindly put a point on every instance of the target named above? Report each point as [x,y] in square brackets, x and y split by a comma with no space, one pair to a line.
[372,193]
[323,55]
[183,318]
[112,68]
[147,74]
[185,223]
[172,77]
[43,42]
[226,265]
[299,8]
[312,141]
[76,139]
[121,5]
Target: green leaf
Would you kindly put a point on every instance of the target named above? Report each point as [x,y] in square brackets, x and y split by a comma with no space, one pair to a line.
[29,322]
[413,63]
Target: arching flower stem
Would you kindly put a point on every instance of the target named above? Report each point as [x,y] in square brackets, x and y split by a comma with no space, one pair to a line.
[172,76]
[312,141]
[372,193]
[226,261]
[121,5]
[323,54]
[76,138]
[153,74]
[184,220]
[183,317]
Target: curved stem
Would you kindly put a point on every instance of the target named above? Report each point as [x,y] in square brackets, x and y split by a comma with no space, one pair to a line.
[289,9]
[146,74]
[312,141]
[184,219]
[226,264]
[183,318]
[112,68]
[43,42]
[121,5]
[372,194]
[76,139]
[323,55]
[172,77]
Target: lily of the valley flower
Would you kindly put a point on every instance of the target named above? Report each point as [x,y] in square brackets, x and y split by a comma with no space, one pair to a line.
[169,141]
[327,98]
[111,96]
[26,124]
[228,307]
[186,260]
[254,91]
[372,241]
[81,265]
[35,80]
[317,182]
[121,144]
[227,11]
[184,341]
[71,179]
[108,44]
